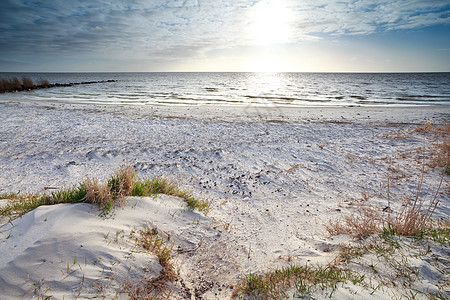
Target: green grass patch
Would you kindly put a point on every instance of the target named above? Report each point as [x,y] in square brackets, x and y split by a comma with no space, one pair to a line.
[70,195]
[107,195]
[303,279]
[439,235]
[158,185]
[19,204]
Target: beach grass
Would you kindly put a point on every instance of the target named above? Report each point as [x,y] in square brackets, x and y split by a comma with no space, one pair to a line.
[391,260]
[415,214]
[106,194]
[304,279]
[382,260]
[158,287]
[440,152]
[159,185]
[414,218]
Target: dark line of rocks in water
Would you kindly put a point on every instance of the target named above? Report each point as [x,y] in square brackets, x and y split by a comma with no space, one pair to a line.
[14,84]
[78,83]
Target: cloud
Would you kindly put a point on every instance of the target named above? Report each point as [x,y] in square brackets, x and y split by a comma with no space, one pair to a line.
[177,29]
[368,16]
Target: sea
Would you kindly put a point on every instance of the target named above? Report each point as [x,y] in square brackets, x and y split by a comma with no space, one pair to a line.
[241,89]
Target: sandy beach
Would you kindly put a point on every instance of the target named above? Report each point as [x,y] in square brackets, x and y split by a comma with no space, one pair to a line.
[275,176]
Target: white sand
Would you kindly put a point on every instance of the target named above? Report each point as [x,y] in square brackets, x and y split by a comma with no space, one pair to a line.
[276,177]
[66,250]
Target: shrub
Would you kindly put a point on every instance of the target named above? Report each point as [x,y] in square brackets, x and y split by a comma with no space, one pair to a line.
[15,84]
[43,83]
[27,83]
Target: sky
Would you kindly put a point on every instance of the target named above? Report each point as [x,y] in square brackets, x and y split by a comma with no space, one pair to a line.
[225,35]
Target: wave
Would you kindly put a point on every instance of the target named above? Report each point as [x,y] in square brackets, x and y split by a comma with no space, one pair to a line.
[287,89]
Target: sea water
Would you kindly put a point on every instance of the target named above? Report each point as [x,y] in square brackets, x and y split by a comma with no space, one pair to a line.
[242,89]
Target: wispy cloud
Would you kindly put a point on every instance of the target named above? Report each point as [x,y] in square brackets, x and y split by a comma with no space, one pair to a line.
[368,16]
[189,28]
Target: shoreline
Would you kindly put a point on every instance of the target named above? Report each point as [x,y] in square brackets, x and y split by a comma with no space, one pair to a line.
[275,176]
[361,114]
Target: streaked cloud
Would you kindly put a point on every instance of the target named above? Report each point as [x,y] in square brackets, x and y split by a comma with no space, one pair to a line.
[185,29]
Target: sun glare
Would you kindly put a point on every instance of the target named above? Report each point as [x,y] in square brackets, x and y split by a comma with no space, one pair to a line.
[266,64]
[270,23]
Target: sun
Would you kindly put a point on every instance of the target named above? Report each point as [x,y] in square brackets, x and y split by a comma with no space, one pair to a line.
[270,23]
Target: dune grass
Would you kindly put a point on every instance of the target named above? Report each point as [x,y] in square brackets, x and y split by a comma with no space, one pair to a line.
[19,204]
[440,153]
[415,215]
[107,195]
[304,279]
[154,287]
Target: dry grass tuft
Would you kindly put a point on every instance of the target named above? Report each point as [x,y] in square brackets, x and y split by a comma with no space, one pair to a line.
[27,83]
[429,127]
[416,213]
[7,85]
[414,217]
[122,183]
[43,83]
[154,287]
[425,127]
[98,194]
[112,193]
[440,154]
[15,85]
[365,223]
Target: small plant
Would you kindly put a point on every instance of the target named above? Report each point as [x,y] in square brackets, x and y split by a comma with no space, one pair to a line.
[70,195]
[414,217]
[365,223]
[40,290]
[154,287]
[20,204]
[440,235]
[274,284]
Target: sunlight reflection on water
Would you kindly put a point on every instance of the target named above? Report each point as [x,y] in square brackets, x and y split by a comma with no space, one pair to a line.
[243,89]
